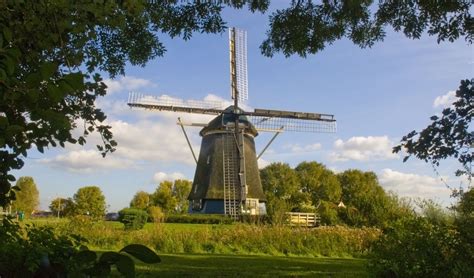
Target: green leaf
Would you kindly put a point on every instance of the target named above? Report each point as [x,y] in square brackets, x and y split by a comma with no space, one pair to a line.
[126,266]
[54,93]
[9,66]
[7,34]
[142,253]
[33,80]
[109,257]
[48,69]
[86,257]
[3,122]
[75,80]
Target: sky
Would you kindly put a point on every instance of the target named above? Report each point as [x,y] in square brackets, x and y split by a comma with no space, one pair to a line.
[377,95]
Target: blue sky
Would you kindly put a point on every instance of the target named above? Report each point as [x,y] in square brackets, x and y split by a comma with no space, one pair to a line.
[377,95]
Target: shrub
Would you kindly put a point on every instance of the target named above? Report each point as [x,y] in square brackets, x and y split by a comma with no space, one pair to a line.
[156,214]
[415,247]
[133,219]
[199,219]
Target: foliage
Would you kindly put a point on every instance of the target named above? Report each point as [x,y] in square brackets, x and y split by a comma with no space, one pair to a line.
[366,202]
[51,53]
[323,187]
[198,219]
[448,135]
[238,238]
[282,189]
[414,247]
[307,28]
[62,207]
[181,190]
[163,197]
[141,200]
[27,196]
[434,212]
[464,222]
[90,201]
[29,251]
[133,219]
[156,214]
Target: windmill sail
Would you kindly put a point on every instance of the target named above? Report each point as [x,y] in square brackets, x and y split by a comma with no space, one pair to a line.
[238,64]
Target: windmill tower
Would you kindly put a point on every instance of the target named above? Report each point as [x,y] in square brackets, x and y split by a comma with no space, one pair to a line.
[227,179]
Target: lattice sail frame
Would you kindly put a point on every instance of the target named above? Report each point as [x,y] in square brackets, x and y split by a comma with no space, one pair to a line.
[276,124]
[238,39]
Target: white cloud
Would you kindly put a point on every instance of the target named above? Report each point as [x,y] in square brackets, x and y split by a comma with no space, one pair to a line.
[445,101]
[297,148]
[86,161]
[363,149]
[262,163]
[144,136]
[162,176]
[413,185]
[127,83]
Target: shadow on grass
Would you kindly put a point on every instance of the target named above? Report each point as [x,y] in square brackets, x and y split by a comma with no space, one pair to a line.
[251,266]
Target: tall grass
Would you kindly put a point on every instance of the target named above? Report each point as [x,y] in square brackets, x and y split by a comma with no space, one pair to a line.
[229,239]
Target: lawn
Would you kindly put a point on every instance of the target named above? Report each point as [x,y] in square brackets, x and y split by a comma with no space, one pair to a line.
[173,265]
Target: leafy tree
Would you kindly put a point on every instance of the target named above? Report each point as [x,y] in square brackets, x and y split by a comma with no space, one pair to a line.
[366,201]
[62,206]
[163,197]
[51,56]
[282,190]
[307,28]
[181,190]
[90,201]
[141,200]
[156,214]
[27,196]
[323,187]
[448,135]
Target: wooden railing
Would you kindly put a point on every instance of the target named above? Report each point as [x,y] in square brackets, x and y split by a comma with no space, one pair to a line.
[304,219]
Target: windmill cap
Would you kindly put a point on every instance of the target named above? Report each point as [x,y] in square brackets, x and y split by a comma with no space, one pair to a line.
[226,120]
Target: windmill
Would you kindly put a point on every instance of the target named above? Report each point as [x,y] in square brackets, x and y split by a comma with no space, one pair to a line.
[227,179]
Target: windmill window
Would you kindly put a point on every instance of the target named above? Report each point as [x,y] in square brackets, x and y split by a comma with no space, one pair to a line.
[208,159]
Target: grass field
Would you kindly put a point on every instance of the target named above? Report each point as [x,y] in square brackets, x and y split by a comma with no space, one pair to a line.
[189,265]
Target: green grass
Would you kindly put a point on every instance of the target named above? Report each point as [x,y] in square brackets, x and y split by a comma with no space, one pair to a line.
[194,265]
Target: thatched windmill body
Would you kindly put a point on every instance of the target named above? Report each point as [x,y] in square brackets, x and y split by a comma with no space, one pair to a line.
[227,179]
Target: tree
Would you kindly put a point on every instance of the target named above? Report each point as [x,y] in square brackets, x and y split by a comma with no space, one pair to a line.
[307,28]
[366,201]
[90,201]
[163,197]
[51,56]
[27,196]
[282,190]
[323,187]
[141,200]
[62,206]
[181,190]
[448,135]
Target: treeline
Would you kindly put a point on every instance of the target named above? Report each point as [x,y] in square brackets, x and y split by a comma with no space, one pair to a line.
[168,198]
[352,197]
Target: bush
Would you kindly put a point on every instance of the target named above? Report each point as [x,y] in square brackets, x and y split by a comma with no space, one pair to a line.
[133,219]
[156,214]
[199,219]
[415,247]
